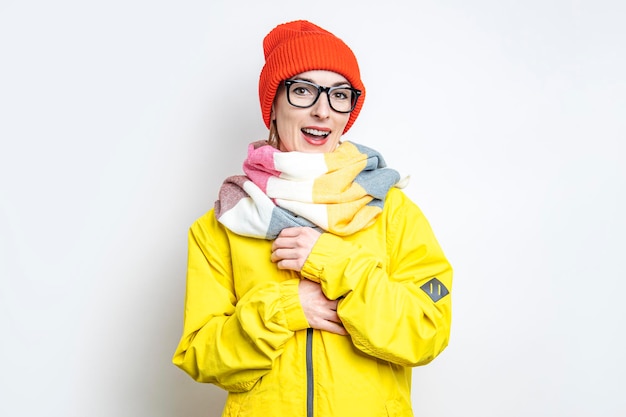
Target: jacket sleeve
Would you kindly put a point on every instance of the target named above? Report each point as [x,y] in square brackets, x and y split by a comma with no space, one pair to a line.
[400,312]
[227,341]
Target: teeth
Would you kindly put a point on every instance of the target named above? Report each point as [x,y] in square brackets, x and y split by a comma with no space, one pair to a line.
[315,132]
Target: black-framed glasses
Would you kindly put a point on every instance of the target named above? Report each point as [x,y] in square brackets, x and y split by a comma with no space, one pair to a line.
[305,94]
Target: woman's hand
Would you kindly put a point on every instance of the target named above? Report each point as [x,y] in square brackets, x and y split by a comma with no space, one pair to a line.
[320,312]
[292,247]
[289,251]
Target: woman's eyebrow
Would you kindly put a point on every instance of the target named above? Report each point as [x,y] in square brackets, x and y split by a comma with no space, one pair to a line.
[304,79]
[337,84]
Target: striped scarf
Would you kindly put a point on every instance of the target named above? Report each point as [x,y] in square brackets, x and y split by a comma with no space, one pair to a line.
[340,192]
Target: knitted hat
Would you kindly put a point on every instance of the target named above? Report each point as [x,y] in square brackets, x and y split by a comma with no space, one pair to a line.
[295,47]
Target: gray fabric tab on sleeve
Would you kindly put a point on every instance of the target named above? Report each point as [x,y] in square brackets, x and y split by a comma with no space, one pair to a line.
[435,289]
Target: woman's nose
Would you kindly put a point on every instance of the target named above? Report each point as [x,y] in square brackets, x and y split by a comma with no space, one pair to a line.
[321,108]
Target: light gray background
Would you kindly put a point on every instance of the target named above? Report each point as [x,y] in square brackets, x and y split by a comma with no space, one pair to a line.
[119,119]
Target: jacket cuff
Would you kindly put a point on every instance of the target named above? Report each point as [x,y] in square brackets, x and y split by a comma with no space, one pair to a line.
[313,268]
[290,298]
[324,265]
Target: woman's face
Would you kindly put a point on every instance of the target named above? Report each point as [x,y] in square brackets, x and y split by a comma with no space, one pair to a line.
[313,129]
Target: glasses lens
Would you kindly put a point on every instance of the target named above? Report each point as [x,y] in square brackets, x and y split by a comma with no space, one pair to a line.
[302,94]
[342,99]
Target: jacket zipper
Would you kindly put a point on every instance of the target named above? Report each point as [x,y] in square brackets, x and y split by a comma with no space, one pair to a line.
[309,372]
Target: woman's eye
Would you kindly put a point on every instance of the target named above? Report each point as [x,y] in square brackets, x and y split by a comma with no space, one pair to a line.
[302,90]
[341,95]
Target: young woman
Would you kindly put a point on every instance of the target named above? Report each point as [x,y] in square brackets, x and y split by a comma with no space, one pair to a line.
[314,284]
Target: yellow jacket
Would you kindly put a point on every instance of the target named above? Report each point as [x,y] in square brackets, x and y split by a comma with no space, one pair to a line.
[245,331]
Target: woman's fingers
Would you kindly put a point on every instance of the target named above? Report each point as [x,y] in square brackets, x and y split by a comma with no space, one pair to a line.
[332,327]
[320,312]
[292,247]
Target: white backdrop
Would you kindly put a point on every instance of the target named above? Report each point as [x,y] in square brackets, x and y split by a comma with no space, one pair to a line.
[119,120]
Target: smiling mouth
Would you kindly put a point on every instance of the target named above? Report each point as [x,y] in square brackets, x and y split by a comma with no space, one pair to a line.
[317,134]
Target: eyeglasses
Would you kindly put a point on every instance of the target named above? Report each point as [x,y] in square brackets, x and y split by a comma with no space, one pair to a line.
[305,94]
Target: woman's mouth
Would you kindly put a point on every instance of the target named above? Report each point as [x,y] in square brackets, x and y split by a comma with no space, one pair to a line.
[315,134]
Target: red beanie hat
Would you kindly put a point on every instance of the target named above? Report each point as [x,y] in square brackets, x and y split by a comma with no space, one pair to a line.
[295,47]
